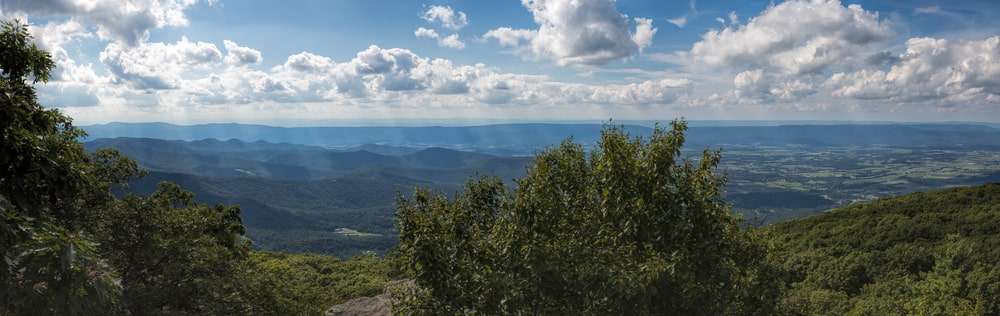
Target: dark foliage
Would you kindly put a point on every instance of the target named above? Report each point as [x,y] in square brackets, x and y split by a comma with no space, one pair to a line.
[932,253]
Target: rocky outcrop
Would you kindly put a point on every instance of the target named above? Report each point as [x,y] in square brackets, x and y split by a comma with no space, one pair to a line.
[379,305]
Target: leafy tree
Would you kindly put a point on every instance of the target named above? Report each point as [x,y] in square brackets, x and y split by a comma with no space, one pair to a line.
[49,264]
[940,292]
[630,229]
[175,255]
[70,247]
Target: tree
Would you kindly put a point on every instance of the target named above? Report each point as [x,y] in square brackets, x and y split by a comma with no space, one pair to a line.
[49,263]
[631,229]
[70,247]
[175,255]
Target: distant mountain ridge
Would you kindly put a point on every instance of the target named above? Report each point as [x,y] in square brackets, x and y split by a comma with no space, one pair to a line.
[526,139]
[235,158]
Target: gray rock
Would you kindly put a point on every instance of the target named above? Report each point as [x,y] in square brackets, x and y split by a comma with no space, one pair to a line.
[379,305]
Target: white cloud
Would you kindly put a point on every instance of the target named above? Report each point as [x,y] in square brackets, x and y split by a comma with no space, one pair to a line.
[571,32]
[794,37]
[680,21]
[53,35]
[644,32]
[128,22]
[309,63]
[63,94]
[936,70]
[157,65]
[426,33]
[650,92]
[733,18]
[446,16]
[450,41]
[376,76]
[799,54]
[237,55]
[509,37]
[757,86]
[786,53]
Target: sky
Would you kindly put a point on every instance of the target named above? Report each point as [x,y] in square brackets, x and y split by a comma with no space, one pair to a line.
[327,62]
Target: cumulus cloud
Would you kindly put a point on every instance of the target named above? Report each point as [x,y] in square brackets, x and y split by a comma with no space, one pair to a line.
[931,69]
[757,86]
[577,32]
[308,62]
[450,41]
[127,26]
[157,65]
[644,32]
[379,74]
[426,33]
[788,52]
[237,55]
[446,16]
[53,35]
[794,37]
[510,37]
[129,22]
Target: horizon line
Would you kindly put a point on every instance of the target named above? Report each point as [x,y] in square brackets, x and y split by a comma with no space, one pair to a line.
[486,122]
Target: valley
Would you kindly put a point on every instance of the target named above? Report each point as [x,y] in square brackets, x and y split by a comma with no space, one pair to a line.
[340,201]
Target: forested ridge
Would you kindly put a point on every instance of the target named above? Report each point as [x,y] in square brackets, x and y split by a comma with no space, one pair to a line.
[933,253]
[628,227]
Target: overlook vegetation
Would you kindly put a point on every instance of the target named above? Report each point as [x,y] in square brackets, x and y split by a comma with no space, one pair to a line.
[71,247]
[629,227]
[934,253]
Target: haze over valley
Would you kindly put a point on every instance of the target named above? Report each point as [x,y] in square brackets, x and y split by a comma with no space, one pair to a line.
[332,190]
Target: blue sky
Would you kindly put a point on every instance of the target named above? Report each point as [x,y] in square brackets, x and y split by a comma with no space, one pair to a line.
[316,62]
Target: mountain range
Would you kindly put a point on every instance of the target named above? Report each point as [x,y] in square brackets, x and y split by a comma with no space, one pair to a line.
[526,139]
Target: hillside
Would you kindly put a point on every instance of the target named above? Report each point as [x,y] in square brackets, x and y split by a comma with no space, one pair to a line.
[934,252]
[294,196]
[342,216]
[235,158]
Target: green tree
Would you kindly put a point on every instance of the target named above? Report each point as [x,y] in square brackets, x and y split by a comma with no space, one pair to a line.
[174,255]
[47,182]
[70,247]
[631,229]
[942,291]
